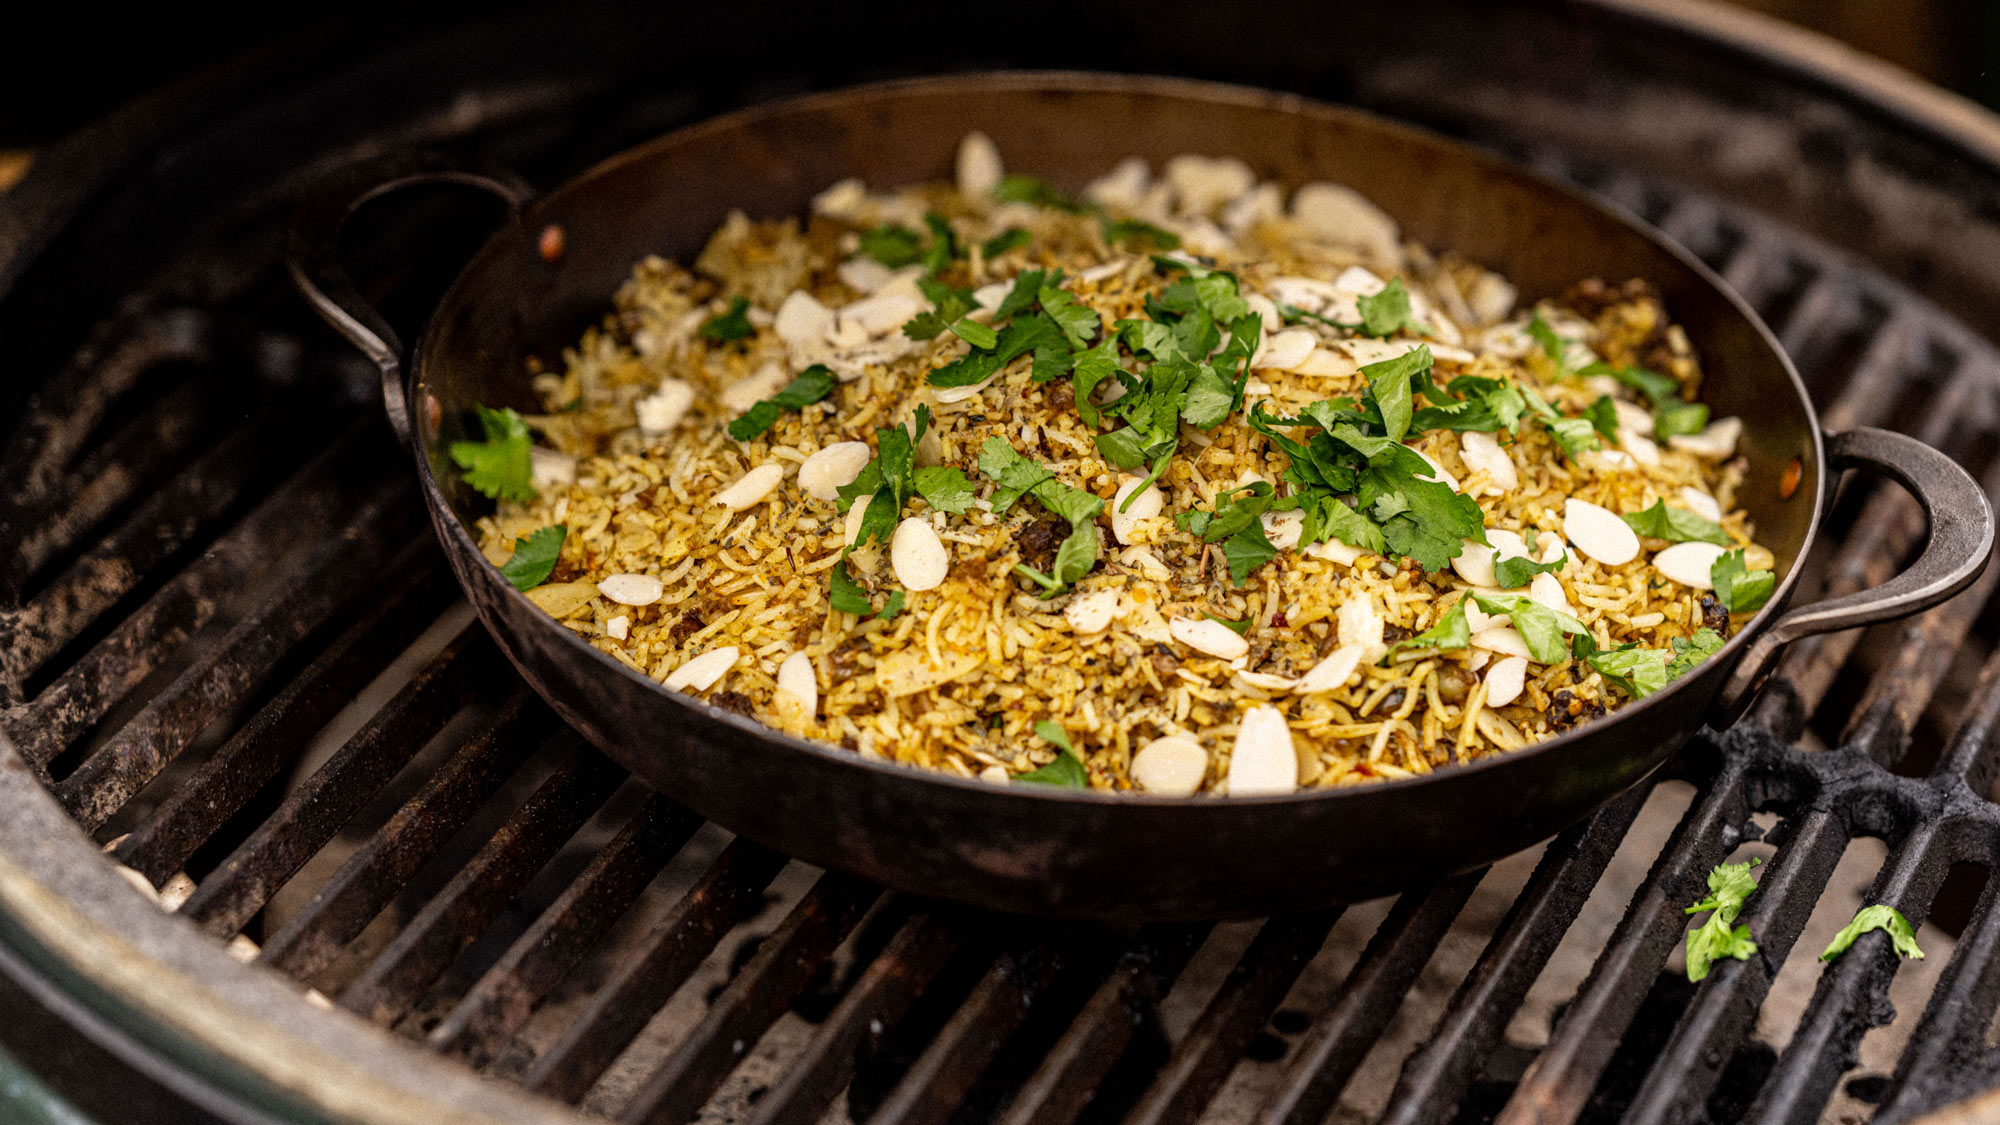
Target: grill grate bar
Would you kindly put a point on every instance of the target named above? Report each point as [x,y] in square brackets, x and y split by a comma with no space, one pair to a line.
[1437,1075]
[1558,1083]
[84,693]
[300,827]
[1852,994]
[731,891]
[1255,987]
[1725,1007]
[1952,1031]
[752,1002]
[239,664]
[1970,757]
[891,984]
[1872,387]
[1328,1053]
[196,810]
[1069,1074]
[455,915]
[383,866]
[960,1052]
[503,999]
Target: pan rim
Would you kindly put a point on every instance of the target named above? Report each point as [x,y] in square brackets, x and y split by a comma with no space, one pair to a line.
[1187,89]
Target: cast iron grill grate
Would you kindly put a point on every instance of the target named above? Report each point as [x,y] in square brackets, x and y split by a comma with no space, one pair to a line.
[213,551]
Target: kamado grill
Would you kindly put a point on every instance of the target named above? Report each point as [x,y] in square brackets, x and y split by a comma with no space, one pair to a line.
[233,657]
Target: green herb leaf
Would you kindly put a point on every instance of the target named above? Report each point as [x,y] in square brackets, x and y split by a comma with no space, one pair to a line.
[1026,291]
[1676,524]
[1012,473]
[1067,770]
[974,333]
[1729,886]
[1387,312]
[1451,631]
[1603,417]
[1077,555]
[945,488]
[1737,587]
[878,520]
[1017,188]
[1677,418]
[1540,627]
[733,324]
[1136,234]
[1013,238]
[1079,322]
[1247,550]
[1389,386]
[1020,337]
[1240,628]
[1210,398]
[1088,368]
[1339,520]
[846,595]
[1658,389]
[1689,652]
[812,385]
[944,245]
[1553,346]
[1902,935]
[893,246]
[1638,672]
[534,557]
[1515,571]
[499,466]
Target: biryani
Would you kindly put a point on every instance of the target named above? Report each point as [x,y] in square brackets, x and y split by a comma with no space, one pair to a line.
[1183,484]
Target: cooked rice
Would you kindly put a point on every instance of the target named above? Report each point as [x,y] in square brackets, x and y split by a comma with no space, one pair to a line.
[959,679]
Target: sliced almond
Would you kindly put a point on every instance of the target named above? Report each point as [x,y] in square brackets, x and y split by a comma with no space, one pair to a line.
[1438,472]
[797,696]
[618,628]
[1505,640]
[826,472]
[1203,183]
[1632,416]
[1689,563]
[995,775]
[860,273]
[1546,589]
[702,672]
[1482,454]
[1285,351]
[1170,767]
[918,556]
[1505,679]
[1263,760]
[1340,215]
[1334,551]
[1267,681]
[1092,612]
[1642,448]
[631,589]
[1283,529]
[908,671]
[548,469]
[1123,187]
[1700,503]
[1332,673]
[978,166]
[1148,505]
[803,320]
[1599,533]
[1358,622]
[855,512]
[1266,310]
[753,388]
[1211,637]
[1717,441]
[751,488]
[661,411]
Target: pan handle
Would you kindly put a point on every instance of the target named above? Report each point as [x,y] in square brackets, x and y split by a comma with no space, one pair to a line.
[312,252]
[1959,545]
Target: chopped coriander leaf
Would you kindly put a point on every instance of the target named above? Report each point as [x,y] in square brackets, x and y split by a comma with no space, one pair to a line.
[893,246]
[1338,520]
[1012,473]
[1676,524]
[1020,337]
[1603,417]
[878,520]
[1016,188]
[948,305]
[1235,509]
[1679,418]
[1902,935]
[1247,550]
[1739,588]
[892,607]
[1052,362]
[974,333]
[1555,347]
[945,488]
[1079,322]
[1136,234]
[867,484]
[846,595]
[1026,291]
[733,324]
[944,245]
[1658,389]
[1689,652]
[1541,628]
[1240,628]
[1389,385]
[1292,314]
[534,557]
[1638,672]
[1421,518]
[1572,435]
[499,466]
[1067,770]
[1013,238]
[1729,886]
[812,385]
[1451,631]
[1210,398]
[1088,368]
[1515,571]
[1388,312]
[1078,553]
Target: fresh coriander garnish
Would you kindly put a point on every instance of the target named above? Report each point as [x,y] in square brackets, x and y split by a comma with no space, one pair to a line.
[1573,436]
[1515,571]
[1638,672]
[1902,935]
[1236,522]
[498,466]
[1067,770]
[1451,631]
[1387,311]
[534,557]
[1017,188]
[732,324]
[1671,415]
[948,305]
[1240,628]
[1739,588]
[1136,234]
[1689,652]
[1015,476]
[1540,627]
[1729,886]
[1676,524]
[893,246]
[1012,238]
[812,385]
[846,595]
[1555,347]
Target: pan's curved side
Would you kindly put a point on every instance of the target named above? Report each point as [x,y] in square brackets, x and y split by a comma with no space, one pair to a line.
[1023,848]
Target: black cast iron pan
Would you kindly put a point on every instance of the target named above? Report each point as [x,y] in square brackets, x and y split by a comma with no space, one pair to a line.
[1034,848]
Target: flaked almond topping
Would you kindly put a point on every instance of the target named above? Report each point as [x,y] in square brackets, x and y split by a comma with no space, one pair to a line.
[823,474]
[661,411]
[702,672]
[1211,637]
[1146,507]
[631,589]
[1332,673]
[751,487]
[1689,563]
[1170,767]
[1700,503]
[1285,351]
[1092,612]
[1263,760]
[802,319]
[1717,441]
[1505,679]
[618,628]
[548,469]
[978,166]
[1599,533]
[917,555]
[1504,639]
[1482,454]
